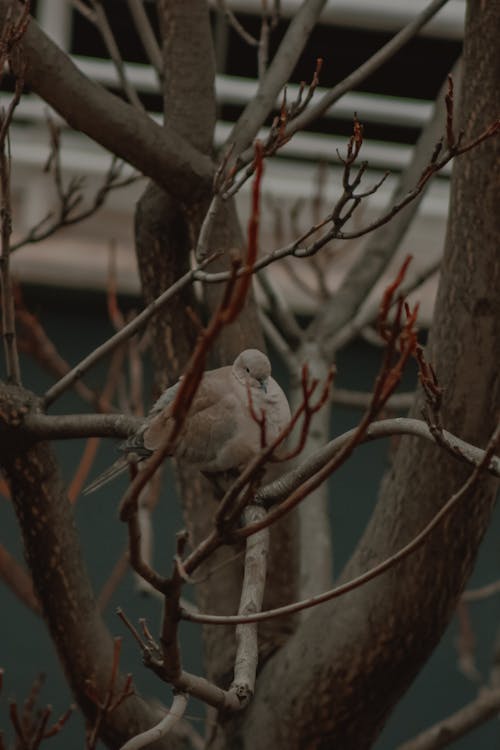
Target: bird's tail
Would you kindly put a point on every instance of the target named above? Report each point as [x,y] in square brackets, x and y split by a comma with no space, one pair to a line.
[118,467]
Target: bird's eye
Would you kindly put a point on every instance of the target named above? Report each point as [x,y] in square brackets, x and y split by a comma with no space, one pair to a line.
[247,369]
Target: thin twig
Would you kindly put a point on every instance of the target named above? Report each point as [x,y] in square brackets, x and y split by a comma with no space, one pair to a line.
[8,312]
[263,46]
[198,687]
[100,20]
[18,580]
[236,25]
[71,197]
[280,310]
[481,593]
[483,708]
[112,697]
[202,248]
[125,333]
[120,568]
[147,36]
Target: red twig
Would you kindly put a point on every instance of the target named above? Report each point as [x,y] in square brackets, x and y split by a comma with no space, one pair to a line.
[89,453]
[31,726]
[112,697]
[18,580]
[114,313]
[259,419]
[276,138]
[450,137]
[116,575]
[388,296]
[309,409]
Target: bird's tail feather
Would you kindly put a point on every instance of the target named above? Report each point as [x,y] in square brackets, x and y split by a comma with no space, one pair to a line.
[118,467]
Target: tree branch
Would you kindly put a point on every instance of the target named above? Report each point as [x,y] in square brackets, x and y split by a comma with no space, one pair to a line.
[163,727]
[147,36]
[446,731]
[276,76]
[98,17]
[252,594]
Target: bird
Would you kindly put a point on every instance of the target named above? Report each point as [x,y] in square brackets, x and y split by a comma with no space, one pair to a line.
[220,434]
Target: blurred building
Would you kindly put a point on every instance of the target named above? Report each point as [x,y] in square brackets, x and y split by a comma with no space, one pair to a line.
[300,184]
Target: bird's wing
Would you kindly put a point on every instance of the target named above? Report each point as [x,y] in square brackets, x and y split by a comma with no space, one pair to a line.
[213,420]
[119,466]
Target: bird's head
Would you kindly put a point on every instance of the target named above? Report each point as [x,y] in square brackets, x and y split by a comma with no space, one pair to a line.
[252,368]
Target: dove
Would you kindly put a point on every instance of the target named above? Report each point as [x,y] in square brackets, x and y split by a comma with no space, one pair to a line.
[219,433]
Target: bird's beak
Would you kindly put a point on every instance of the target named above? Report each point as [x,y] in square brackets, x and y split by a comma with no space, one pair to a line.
[263,384]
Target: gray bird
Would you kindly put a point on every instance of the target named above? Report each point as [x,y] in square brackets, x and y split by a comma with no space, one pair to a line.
[219,434]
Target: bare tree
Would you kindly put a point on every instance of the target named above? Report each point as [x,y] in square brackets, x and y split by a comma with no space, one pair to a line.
[332,677]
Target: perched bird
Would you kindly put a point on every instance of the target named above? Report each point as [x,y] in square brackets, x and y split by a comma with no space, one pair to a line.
[219,434]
